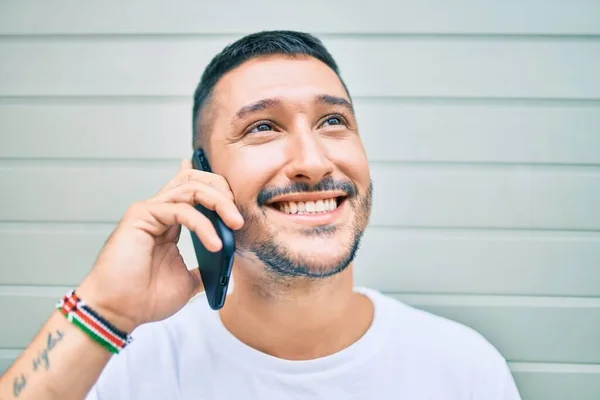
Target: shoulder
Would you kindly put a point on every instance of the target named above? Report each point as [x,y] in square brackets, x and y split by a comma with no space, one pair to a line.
[439,343]
[433,333]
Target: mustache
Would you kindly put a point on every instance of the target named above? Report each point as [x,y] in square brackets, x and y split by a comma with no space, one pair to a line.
[349,189]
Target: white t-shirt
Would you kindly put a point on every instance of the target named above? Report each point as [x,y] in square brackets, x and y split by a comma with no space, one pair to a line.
[406,354]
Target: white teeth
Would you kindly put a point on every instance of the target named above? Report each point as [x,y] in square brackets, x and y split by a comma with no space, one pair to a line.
[307,207]
[319,206]
[301,207]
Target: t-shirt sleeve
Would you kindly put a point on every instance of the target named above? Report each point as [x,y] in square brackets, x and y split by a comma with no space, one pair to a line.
[93,394]
[494,380]
[510,391]
[110,383]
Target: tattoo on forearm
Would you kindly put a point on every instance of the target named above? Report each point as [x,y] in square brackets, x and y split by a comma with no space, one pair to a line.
[42,357]
[42,360]
[19,384]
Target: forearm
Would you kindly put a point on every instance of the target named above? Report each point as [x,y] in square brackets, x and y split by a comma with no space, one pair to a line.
[62,362]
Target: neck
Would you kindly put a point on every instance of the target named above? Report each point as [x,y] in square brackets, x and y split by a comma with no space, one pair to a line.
[298,320]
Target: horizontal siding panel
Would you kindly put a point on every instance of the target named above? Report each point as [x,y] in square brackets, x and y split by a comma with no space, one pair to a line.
[480,262]
[480,132]
[7,357]
[520,331]
[378,66]
[49,255]
[72,193]
[524,329]
[497,132]
[425,261]
[189,16]
[405,195]
[494,197]
[119,130]
[555,382]
[18,332]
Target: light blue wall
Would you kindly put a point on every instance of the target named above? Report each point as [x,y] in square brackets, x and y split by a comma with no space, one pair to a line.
[481,120]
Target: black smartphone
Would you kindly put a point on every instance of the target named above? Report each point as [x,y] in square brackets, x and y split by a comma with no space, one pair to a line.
[215,267]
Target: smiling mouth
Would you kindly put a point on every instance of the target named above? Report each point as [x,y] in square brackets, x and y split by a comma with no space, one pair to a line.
[309,207]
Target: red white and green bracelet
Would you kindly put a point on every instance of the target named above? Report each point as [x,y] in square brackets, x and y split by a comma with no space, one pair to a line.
[82,316]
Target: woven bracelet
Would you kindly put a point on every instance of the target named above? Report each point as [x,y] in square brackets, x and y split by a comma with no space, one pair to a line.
[82,316]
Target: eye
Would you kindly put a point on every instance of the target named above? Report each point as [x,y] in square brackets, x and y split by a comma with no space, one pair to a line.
[334,120]
[261,127]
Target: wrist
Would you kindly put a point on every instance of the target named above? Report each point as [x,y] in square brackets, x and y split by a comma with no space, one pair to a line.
[104,309]
[107,305]
[96,326]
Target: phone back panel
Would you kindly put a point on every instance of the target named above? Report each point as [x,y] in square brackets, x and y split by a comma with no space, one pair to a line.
[215,267]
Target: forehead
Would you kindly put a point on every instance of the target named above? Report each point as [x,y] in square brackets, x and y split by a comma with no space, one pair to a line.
[297,79]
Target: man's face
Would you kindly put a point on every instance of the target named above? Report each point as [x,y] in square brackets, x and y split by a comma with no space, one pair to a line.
[283,134]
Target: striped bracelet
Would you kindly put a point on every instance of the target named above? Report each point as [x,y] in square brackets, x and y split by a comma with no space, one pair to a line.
[81,315]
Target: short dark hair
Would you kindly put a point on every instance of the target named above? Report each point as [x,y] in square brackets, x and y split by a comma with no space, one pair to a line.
[289,43]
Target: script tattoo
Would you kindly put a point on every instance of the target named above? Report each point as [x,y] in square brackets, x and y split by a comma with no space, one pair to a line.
[42,357]
[42,360]
[19,384]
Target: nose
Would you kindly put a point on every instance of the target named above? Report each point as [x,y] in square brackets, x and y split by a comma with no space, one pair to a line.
[309,162]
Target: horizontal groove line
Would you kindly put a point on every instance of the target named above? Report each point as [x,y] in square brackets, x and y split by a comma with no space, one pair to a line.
[490,230]
[418,299]
[567,368]
[452,100]
[342,34]
[168,161]
[10,352]
[493,299]
[15,224]
[489,164]
[34,290]
[484,229]
[56,224]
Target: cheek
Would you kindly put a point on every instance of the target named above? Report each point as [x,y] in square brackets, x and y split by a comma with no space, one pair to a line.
[350,157]
[251,168]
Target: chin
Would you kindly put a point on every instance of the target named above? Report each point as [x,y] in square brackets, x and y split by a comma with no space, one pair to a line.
[308,257]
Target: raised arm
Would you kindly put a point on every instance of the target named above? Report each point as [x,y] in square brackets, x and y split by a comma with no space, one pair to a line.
[139,277]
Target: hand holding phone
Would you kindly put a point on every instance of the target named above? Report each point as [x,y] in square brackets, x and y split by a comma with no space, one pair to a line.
[215,267]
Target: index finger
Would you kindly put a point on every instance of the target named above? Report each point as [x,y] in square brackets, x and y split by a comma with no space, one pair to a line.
[184,165]
[187,173]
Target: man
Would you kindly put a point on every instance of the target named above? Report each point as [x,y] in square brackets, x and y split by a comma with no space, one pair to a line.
[291,177]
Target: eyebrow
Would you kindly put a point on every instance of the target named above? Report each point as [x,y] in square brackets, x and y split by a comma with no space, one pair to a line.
[265,104]
[334,101]
[260,105]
